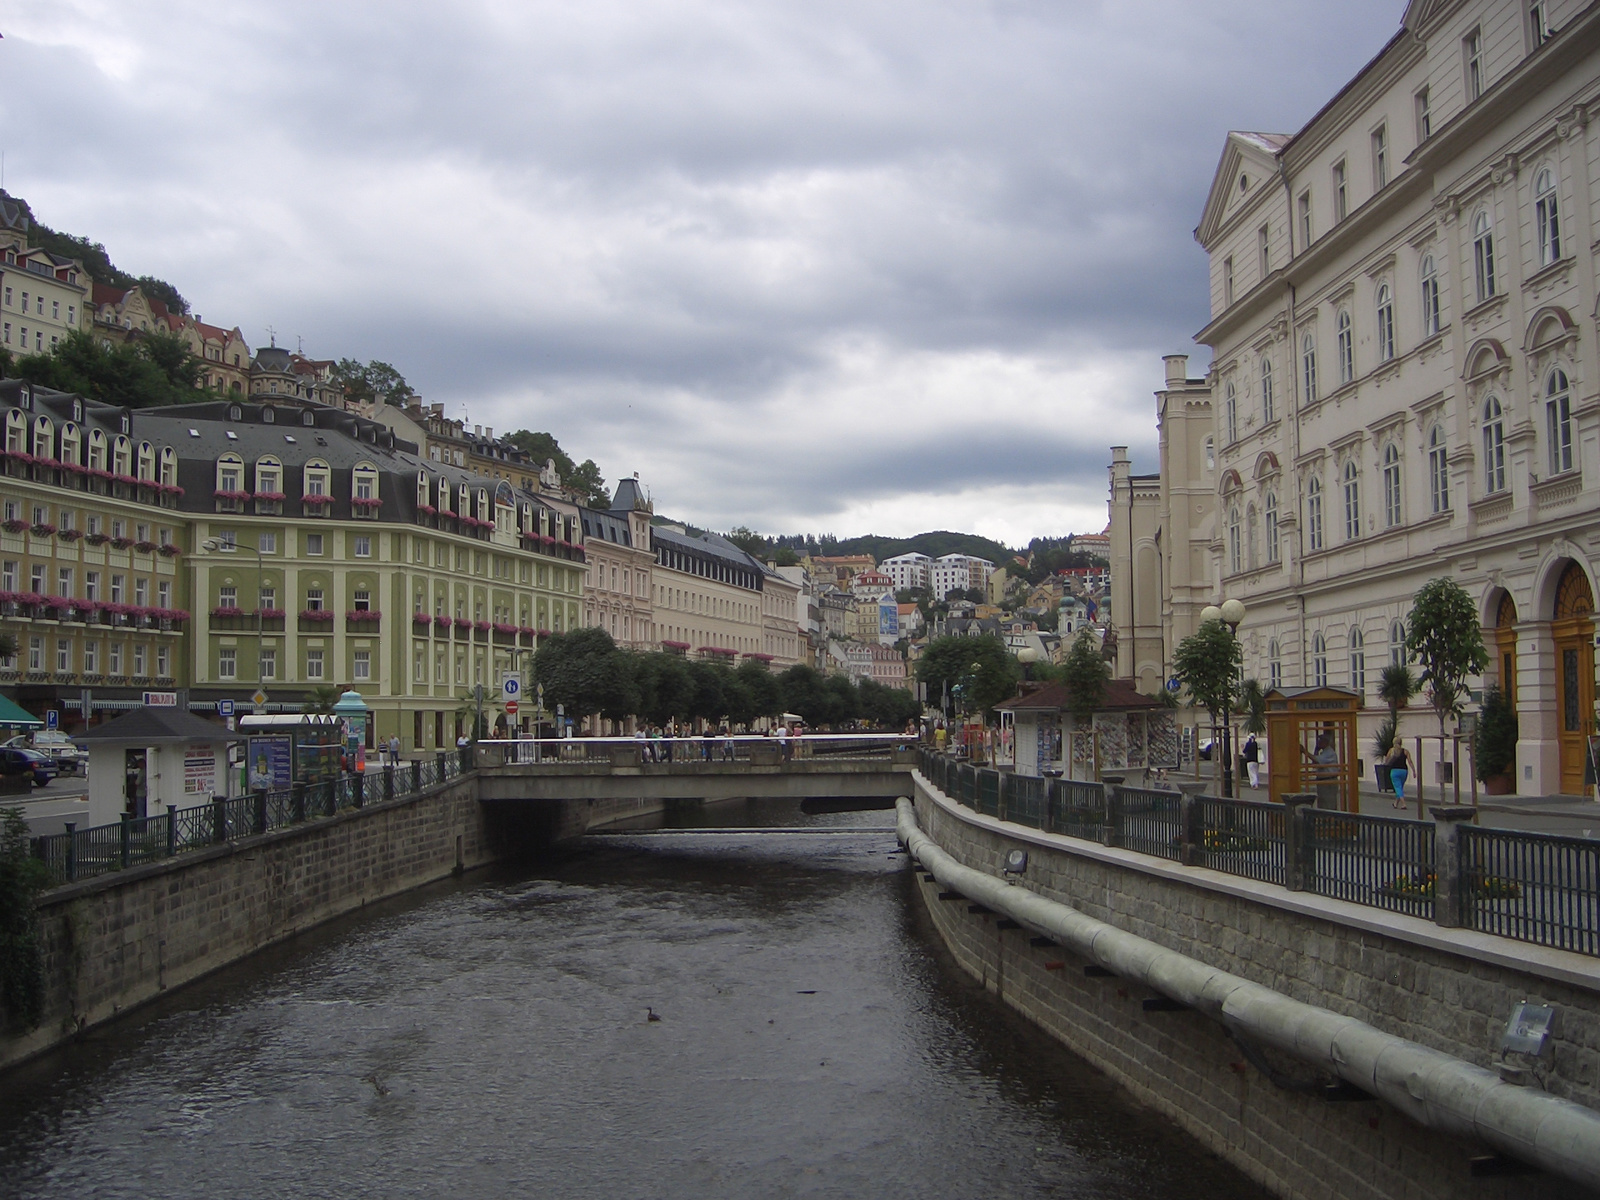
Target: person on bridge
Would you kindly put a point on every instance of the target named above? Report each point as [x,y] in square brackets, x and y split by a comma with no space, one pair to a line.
[1399,764]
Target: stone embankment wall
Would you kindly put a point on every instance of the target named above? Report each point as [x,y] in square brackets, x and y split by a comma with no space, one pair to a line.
[116,941]
[1449,990]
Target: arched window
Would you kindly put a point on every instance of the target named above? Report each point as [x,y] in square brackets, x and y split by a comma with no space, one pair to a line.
[1351,483]
[269,481]
[1545,217]
[1230,412]
[1483,254]
[230,493]
[1438,471]
[71,444]
[1430,297]
[1308,366]
[169,467]
[1268,412]
[1558,414]
[1385,323]
[1319,660]
[122,456]
[1391,485]
[1397,643]
[1494,446]
[1358,663]
[44,438]
[1235,565]
[444,496]
[1274,664]
[1347,349]
[1272,526]
[97,450]
[17,432]
[147,462]
[423,493]
[1314,512]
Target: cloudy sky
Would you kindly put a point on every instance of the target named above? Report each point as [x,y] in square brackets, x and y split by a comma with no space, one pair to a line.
[859,266]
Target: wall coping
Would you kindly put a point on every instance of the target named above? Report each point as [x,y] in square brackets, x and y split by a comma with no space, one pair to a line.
[1561,966]
[76,890]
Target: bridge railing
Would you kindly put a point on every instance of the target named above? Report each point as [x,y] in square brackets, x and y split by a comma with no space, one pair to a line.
[101,849]
[753,749]
[1530,887]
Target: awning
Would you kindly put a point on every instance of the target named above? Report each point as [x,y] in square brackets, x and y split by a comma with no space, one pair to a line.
[14,716]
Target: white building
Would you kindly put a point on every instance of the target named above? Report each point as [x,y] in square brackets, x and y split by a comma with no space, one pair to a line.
[1404,376]
[950,572]
[908,571]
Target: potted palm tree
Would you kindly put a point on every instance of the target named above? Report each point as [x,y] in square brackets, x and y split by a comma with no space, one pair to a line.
[1396,686]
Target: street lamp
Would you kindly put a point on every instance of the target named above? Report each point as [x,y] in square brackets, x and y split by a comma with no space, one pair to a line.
[1231,614]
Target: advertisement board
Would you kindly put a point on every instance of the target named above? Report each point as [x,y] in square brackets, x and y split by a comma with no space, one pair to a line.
[270,763]
[199,770]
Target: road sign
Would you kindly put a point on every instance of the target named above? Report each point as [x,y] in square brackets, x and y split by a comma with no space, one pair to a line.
[477,692]
[52,718]
[161,699]
[259,699]
[224,708]
[511,687]
[511,708]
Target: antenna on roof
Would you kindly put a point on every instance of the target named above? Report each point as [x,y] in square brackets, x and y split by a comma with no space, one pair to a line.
[299,344]
[272,334]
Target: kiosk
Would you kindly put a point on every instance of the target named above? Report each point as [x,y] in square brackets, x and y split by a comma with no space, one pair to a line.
[1312,747]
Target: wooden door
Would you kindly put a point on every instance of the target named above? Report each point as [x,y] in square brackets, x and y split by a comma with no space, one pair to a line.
[1505,641]
[1573,634]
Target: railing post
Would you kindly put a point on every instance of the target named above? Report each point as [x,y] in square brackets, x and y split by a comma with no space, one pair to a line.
[388,782]
[441,767]
[1000,797]
[126,832]
[72,850]
[1110,831]
[297,800]
[1450,885]
[172,831]
[1299,847]
[1191,827]
[358,789]
[219,818]
[261,811]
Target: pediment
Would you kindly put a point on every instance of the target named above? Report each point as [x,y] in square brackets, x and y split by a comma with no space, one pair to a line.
[1247,157]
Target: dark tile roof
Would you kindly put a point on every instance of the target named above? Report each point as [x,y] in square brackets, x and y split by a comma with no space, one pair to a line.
[152,726]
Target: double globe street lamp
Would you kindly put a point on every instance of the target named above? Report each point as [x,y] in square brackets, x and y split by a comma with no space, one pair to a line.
[1231,614]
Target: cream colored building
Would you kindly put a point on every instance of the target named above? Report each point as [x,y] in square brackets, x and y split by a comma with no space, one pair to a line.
[1405,378]
[712,600]
[1161,532]
[619,586]
[45,297]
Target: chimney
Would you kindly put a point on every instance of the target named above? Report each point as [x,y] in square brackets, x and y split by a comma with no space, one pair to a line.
[1177,368]
[477,431]
[488,432]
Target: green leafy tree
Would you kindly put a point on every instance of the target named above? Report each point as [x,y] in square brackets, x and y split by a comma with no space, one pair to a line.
[588,485]
[1207,664]
[666,687]
[585,673]
[145,372]
[784,556]
[1494,745]
[582,479]
[1396,686]
[1253,704]
[766,699]
[1085,674]
[321,698]
[373,382]
[97,262]
[750,541]
[1445,639]
[982,664]
[22,877]
[800,688]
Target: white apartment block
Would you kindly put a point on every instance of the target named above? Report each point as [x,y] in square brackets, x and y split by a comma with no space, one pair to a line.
[952,571]
[1405,378]
[908,570]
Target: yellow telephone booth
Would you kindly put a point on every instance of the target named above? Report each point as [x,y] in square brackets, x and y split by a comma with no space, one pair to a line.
[1312,747]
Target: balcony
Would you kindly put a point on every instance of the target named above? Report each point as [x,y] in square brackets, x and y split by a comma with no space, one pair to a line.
[316,620]
[362,621]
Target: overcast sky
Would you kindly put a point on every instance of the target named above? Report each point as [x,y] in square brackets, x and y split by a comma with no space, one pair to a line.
[807,266]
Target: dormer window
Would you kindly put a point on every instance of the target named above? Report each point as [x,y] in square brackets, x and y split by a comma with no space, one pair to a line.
[364,498]
[235,413]
[308,418]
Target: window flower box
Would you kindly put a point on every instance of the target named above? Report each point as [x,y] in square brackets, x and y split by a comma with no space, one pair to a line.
[269,495]
[169,489]
[441,621]
[99,473]
[146,547]
[168,550]
[544,633]
[270,614]
[121,543]
[367,616]
[69,535]
[315,498]
[225,493]
[42,529]
[15,525]
[481,626]
[421,618]
[96,539]
[227,610]
[366,502]
[316,614]
[502,627]
[426,510]
[20,456]
[463,623]
[129,480]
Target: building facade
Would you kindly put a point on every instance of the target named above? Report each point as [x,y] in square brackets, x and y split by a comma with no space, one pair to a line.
[908,571]
[1405,374]
[713,600]
[620,585]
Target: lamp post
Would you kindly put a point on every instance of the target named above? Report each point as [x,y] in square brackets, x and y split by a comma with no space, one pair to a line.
[1231,614]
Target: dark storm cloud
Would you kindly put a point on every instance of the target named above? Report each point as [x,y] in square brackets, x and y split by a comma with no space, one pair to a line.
[847,262]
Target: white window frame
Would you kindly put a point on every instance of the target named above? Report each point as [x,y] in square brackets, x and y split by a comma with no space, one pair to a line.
[1385,300]
[1438,471]
[1558,415]
[1483,255]
[1350,485]
[1547,215]
[1494,447]
[1430,296]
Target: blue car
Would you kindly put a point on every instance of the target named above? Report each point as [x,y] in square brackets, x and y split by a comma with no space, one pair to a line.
[16,760]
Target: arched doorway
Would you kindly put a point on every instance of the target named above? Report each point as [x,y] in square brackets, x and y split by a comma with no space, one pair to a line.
[1572,629]
[1505,641]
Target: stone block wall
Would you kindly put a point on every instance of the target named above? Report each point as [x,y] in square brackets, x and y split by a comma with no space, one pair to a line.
[1405,977]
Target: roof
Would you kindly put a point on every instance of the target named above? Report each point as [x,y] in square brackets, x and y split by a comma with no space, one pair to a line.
[1120,694]
[154,726]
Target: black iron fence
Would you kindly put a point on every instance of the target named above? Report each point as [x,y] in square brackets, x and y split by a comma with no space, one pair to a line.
[1531,887]
[85,853]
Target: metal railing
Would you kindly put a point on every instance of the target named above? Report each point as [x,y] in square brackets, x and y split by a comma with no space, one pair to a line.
[1529,887]
[633,750]
[101,849]
[1534,887]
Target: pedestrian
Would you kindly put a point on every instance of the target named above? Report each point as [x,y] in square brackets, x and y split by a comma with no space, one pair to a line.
[394,749]
[1399,764]
[461,742]
[783,742]
[1251,754]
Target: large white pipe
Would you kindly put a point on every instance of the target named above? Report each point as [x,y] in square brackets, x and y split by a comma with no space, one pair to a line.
[1431,1088]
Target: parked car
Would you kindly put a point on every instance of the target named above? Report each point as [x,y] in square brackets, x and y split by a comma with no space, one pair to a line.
[68,757]
[19,760]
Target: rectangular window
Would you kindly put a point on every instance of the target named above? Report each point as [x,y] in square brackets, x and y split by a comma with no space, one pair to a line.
[269,597]
[63,655]
[139,656]
[36,579]
[314,599]
[1538,25]
[114,659]
[1380,158]
[163,662]
[91,585]
[35,654]
[267,543]
[118,589]
[362,665]
[228,663]
[228,540]
[419,665]
[141,592]
[361,601]
[313,664]
[314,545]
[227,597]
[1424,116]
[363,547]
[91,657]
[1264,249]
[1472,60]
[64,581]
[94,524]
[9,575]
[269,662]
[1227,280]
[1341,197]
[164,594]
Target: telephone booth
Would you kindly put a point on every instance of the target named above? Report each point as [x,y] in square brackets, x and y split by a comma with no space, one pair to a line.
[1312,746]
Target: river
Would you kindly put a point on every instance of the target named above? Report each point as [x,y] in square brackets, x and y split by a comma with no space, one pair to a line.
[492,1037]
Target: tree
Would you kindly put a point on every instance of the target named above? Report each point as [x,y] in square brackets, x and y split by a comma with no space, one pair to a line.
[784,556]
[1207,664]
[375,383]
[666,688]
[761,684]
[750,541]
[321,698]
[1444,637]
[22,876]
[1085,674]
[585,673]
[1396,686]
[949,661]
[587,485]
[147,372]
[583,479]
[1253,703]
[1494,745]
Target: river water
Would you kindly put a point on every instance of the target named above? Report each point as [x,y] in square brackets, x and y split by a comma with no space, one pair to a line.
[491,1037]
